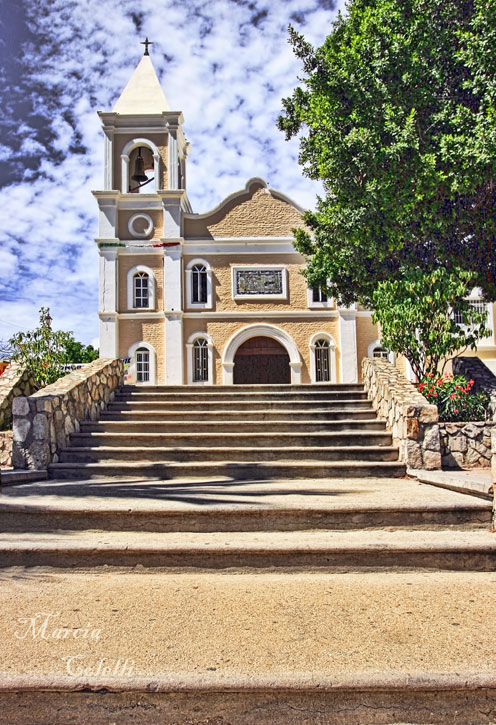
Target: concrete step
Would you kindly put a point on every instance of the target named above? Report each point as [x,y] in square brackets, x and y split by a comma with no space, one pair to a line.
[129,436]
[247,517]
[235,389]
[224,505]
[99,452]
[241,405]
[329,550]
[236,470]
[256,649]
[239,426]
[212,395]
[141,413]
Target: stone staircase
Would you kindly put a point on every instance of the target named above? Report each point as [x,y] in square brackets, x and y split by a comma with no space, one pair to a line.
[216,546]
[241,432]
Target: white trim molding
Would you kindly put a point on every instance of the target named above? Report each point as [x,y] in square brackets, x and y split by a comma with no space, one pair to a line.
[189,304]
[153,362]
[332,356]
[149,229]
[263,330]
[260,268]
[151,287]
[126,152]
[189,353]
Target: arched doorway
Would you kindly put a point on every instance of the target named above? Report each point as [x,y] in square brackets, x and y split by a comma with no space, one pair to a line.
[261,360]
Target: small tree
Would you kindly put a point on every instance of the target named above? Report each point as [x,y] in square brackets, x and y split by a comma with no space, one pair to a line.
[418,312]
[42,351]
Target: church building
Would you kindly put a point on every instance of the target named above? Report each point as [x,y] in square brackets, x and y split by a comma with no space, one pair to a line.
[213,298]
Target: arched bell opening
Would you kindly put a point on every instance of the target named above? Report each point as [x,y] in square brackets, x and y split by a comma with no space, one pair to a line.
[141,165]
[261,360]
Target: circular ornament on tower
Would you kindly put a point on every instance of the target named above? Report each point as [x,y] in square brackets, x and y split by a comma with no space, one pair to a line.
[140,225]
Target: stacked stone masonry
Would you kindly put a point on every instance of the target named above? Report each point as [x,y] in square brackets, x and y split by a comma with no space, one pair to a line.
[14,381]
[6,449]
[414,423]
[44,421]
[466,445]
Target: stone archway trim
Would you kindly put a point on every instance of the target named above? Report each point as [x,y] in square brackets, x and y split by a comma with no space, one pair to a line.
[263,330]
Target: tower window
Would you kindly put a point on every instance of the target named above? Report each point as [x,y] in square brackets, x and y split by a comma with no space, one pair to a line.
[200,361]
[141,290]
[322,366]
[199,283]
[142,365]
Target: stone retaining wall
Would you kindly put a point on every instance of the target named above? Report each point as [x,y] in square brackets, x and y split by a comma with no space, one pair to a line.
[6,449]
[14,381]
[466,445]
[413,423]
[43,422]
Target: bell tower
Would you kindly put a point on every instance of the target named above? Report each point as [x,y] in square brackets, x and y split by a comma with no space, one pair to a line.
[141,207]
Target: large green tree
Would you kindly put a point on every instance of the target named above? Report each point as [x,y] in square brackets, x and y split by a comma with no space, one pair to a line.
[397,116]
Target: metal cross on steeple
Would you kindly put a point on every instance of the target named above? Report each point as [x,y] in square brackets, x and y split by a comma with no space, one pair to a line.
[146,43]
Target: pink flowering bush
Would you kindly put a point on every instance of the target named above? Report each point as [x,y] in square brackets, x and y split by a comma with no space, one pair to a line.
[454,397]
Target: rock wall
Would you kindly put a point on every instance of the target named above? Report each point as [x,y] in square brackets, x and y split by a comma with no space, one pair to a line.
[43,422]
[466,445]
[14,381]
[485,381]
[413,423]
[6,449]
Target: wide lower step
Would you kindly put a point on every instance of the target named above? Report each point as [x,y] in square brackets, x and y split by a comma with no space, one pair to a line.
[202,700]
[237,470]
[131,437]
[246,454]
[140,413]
[351,550]
[230,426]
[230,514]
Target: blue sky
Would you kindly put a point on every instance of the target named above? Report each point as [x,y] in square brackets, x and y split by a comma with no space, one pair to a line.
[225,63]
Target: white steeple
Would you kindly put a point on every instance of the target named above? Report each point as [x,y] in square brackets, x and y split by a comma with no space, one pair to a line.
[143,93]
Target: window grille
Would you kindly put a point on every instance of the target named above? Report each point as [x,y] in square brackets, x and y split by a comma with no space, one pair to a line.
[322,366]
[142,365]
[380,353]
[199,283]
[200,361]
[476,305]
[141,290]
[318,295]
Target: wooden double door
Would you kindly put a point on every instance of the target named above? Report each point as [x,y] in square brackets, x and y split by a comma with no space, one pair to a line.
[261,360]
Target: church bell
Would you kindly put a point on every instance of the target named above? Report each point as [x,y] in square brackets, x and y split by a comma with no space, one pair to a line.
[139,169]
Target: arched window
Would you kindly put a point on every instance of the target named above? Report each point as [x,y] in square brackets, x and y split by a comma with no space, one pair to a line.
[200,360]
[322,362]
[142,365]
[141,290]
[199,283]
[379,352]
[323,358]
